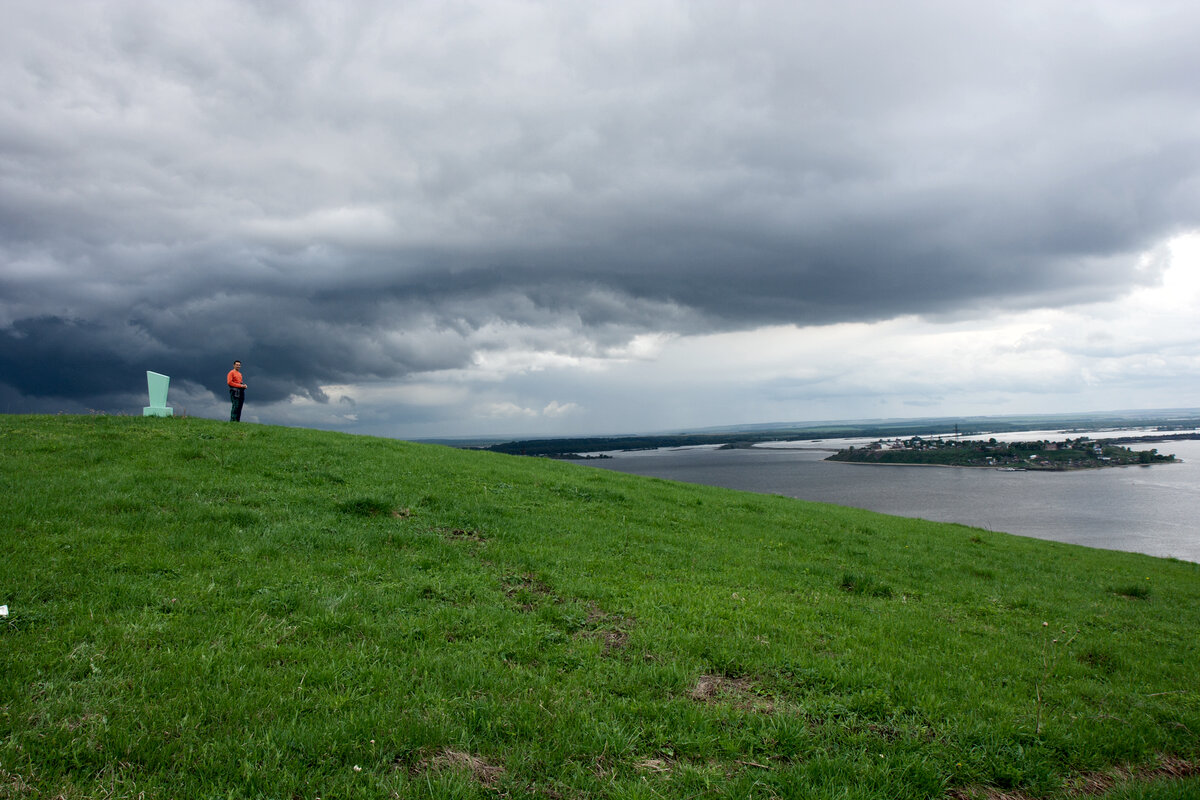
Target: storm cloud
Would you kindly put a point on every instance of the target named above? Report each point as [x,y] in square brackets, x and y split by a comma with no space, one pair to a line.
[353,194]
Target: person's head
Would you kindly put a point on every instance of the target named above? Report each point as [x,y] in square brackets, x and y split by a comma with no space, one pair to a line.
[237,365]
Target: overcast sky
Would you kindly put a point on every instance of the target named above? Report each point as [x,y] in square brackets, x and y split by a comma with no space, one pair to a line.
[455,218]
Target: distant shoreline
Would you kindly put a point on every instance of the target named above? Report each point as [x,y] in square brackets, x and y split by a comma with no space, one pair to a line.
[1160,426]
[1039,455]
[1004,469]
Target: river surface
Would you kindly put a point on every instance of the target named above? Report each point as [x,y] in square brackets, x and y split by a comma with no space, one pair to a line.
[1151,509]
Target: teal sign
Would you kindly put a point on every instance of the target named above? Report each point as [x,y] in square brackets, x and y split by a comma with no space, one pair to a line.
[158,396]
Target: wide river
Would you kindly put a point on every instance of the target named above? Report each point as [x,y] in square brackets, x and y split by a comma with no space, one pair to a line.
[1144,509]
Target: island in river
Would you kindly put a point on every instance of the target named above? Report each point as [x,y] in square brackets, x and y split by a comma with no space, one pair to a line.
[1081,453]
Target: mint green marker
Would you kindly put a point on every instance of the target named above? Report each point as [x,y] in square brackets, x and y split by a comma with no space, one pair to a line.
[158,396]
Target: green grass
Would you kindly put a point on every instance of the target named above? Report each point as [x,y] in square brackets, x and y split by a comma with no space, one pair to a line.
[199,609]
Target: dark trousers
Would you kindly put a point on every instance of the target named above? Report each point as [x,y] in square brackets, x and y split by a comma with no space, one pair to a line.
[236,398]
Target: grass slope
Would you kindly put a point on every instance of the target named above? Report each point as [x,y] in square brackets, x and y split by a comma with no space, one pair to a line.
[199,609]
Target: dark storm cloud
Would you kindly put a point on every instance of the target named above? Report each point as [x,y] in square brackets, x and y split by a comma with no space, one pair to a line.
[338,194]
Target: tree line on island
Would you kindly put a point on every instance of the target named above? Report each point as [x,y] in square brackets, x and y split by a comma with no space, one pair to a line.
[1069,454]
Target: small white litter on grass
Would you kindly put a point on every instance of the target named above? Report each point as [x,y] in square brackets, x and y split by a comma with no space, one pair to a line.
[3,611]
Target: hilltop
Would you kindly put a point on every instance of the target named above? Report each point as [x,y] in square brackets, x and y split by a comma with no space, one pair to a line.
[200,609]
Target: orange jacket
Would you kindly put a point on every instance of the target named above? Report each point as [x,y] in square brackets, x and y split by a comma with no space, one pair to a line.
[234,379]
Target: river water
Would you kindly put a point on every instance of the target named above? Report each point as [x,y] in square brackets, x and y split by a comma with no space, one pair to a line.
[1143,509]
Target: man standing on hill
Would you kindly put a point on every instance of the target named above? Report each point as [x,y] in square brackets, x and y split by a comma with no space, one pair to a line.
[237,392]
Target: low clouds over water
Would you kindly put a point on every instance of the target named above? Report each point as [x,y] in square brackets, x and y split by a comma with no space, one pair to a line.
[413,218]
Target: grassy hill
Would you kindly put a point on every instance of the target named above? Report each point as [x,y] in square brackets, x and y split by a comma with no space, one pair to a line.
[199,609]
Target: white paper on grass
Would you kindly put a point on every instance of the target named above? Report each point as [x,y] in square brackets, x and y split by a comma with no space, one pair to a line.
[3,611]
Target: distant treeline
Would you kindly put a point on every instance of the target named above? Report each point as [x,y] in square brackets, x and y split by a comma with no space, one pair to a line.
[1082,453]
[750,435]
[559,448]
[568,448]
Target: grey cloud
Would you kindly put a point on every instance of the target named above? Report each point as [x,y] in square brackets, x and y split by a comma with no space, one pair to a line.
[338,194]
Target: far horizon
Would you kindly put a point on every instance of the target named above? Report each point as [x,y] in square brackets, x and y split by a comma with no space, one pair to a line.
[1134,418]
